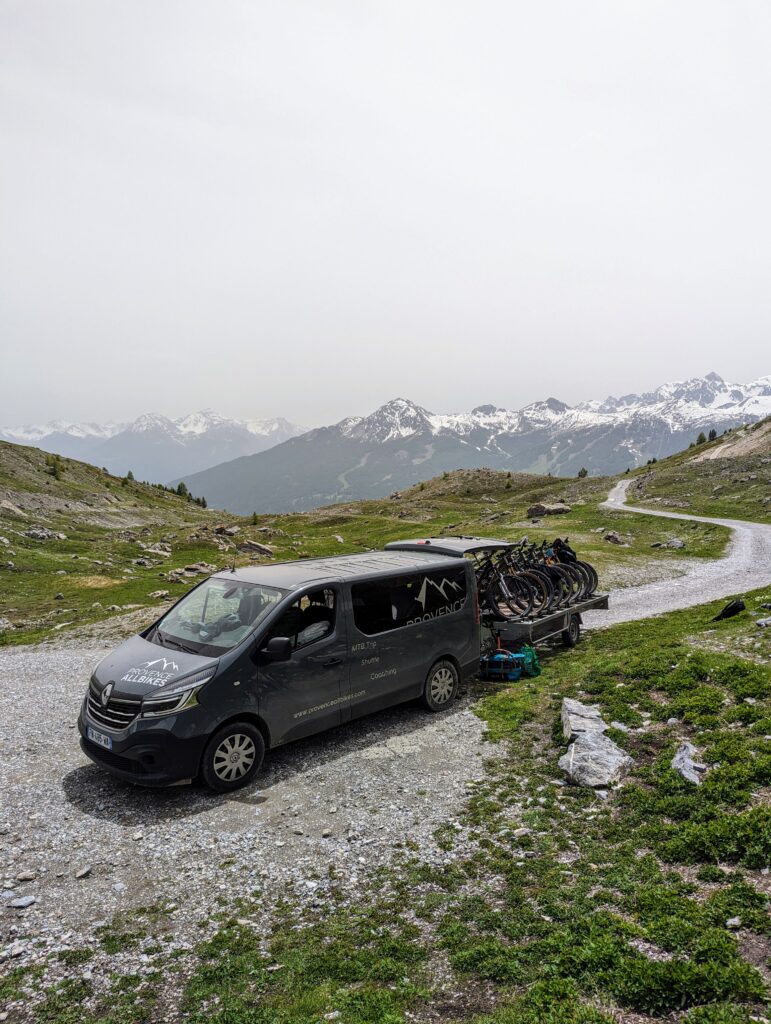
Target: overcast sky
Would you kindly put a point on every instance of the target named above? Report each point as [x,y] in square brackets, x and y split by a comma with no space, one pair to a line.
[308,208]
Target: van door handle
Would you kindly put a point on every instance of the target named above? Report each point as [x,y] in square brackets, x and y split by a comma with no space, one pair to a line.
[332,662]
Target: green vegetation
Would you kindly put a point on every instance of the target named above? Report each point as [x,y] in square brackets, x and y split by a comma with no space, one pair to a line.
[109,522]
[727,476]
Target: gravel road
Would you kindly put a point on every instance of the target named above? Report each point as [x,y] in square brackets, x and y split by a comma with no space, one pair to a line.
[745,566]
[324,811]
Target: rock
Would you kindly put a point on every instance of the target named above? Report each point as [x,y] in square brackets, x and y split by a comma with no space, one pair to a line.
[683,762]
[733,923]
[160,594]
[612,537]
[580,718]
[26,876]
[253,545]
[731,609]
[5,541]
[84,872]
[113,608]
[58,597]
[541,508]
[594,760]
[22,902]
[43,533]
[5,624]
[620,726]
[338,538]
[228,531]
[674,542]
[763,623]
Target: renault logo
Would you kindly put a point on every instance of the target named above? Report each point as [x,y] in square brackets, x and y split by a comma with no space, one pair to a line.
[105,694]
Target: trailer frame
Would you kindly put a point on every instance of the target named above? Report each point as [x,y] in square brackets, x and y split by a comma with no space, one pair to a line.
[565,623]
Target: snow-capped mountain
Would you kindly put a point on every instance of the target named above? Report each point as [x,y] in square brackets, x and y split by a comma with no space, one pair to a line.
[401,443]
[155,447]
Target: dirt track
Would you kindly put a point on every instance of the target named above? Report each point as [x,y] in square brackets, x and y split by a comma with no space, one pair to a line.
[745,566]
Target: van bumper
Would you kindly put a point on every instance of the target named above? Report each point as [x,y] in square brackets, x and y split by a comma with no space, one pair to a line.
[151,753]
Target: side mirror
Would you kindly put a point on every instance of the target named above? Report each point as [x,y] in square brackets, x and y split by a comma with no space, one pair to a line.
[278,648]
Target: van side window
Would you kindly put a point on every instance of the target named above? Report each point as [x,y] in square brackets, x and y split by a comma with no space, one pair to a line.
[382,605]
[309,619]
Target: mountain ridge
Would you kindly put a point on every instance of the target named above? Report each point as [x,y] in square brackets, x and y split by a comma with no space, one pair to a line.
[401,443]
[153,446]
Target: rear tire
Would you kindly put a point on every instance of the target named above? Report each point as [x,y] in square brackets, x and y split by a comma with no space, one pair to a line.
[441,686]
[572,634]
[232,757]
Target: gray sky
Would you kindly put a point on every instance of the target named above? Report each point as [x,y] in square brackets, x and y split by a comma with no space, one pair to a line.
[308,208]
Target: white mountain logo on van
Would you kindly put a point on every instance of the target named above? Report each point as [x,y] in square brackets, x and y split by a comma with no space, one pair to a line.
[152,673]
[441,587]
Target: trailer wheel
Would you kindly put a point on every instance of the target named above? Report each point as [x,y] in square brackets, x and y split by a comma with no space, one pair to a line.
[441,686]
[572,634]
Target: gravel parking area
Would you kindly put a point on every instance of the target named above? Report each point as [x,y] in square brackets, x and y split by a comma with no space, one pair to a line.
[746,566]
[324,811]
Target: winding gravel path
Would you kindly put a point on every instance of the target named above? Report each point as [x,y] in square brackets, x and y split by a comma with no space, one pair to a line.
[745,566]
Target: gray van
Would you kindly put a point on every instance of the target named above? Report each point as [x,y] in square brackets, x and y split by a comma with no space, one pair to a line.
[254,658]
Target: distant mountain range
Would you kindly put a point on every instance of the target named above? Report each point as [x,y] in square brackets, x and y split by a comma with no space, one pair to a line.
[154,447]
[402,443]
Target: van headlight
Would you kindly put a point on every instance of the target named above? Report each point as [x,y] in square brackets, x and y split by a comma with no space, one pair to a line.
[183,695]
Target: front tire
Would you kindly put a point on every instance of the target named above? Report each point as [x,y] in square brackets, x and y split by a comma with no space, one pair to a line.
[441,686]
[232,757]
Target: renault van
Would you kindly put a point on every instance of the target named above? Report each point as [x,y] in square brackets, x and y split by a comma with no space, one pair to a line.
[255,658]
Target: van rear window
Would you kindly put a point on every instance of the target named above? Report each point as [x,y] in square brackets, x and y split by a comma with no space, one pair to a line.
[397,601]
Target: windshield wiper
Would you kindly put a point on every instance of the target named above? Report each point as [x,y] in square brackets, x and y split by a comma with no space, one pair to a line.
[173,643]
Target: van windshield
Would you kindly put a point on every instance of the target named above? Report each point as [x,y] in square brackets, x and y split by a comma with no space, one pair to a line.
[216,616]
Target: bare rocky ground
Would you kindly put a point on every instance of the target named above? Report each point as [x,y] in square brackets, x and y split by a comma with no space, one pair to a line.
[325,811]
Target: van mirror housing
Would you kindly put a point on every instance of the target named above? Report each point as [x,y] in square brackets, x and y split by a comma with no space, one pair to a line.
[278,648]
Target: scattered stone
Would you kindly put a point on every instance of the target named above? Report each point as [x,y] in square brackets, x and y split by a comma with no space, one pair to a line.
[338,538]
[731,609]
[612,537]
[733,923]
[763,623]
[84,872]
[683,762]
[43,533]
[22,902]
[5,624]
[595,760]
[137,836]
[253,545]
[227,531]
[59,597]
[541,508]
[26,876]
[160,594]
[580,718]
[675,542]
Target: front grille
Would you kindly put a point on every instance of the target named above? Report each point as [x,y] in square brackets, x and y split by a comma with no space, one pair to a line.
[119,713]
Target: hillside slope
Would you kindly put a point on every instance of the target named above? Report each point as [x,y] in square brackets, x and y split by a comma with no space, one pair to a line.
[730,477]
[122,542]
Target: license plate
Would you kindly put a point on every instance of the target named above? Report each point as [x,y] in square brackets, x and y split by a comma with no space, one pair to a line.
[100,738]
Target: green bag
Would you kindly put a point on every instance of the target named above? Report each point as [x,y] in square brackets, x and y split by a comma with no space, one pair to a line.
[531,666]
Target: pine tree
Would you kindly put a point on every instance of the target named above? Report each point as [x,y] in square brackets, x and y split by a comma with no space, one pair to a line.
[583,471]
[130,475]
[182,490]
[701,438]
[712,434]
